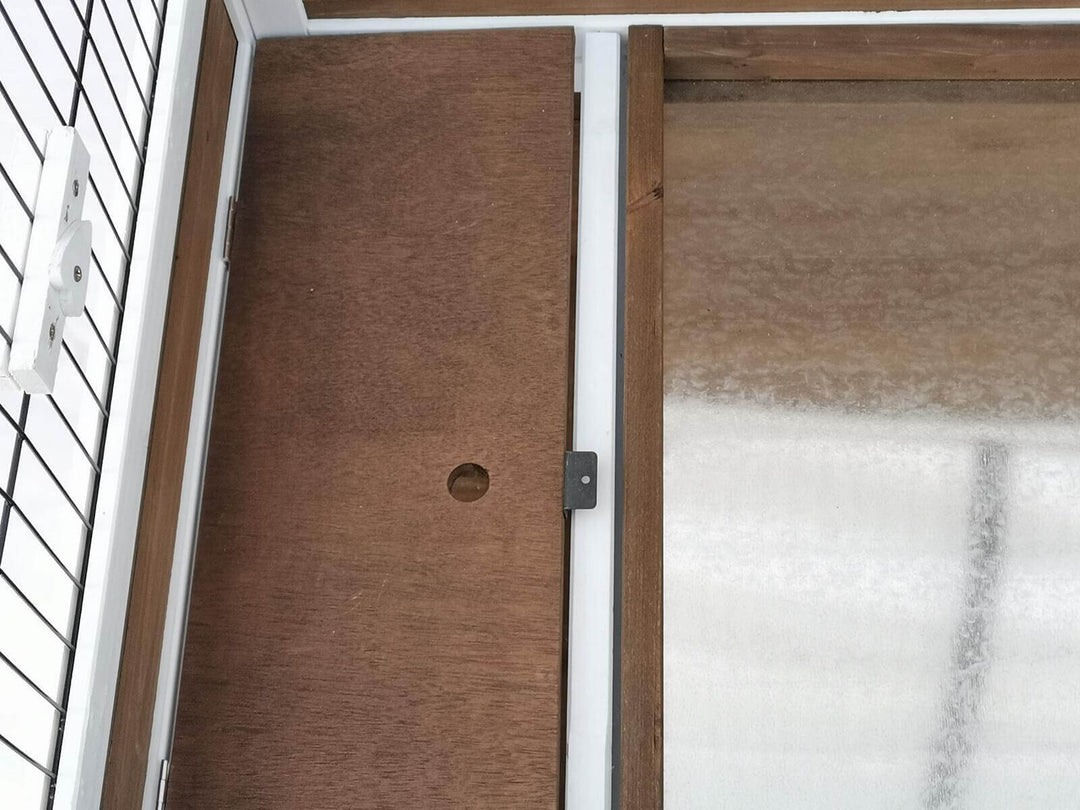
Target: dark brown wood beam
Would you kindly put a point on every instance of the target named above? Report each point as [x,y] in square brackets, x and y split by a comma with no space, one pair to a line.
[873,52]
[641,752]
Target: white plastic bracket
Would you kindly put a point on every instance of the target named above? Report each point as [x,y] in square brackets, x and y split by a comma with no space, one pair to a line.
[591,634]
[57,263]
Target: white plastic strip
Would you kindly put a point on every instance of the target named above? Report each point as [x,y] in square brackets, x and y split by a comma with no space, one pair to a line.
[584,23]
[199,425]
[592,531]
[97,659]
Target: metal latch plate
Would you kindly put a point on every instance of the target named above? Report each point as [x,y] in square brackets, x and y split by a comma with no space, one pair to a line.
[579,479]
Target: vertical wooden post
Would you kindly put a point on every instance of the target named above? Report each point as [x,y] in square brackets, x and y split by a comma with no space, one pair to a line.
[641,752]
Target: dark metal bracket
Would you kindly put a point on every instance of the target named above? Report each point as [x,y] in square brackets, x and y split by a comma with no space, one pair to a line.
[579,480]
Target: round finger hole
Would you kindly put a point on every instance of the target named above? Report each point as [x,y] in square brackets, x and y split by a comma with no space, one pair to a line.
[468,482]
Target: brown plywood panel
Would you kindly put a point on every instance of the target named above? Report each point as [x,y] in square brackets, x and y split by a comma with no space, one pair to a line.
[467,8]
[641,760]
[136,689]
[915,240]
[398,306]
[869,52]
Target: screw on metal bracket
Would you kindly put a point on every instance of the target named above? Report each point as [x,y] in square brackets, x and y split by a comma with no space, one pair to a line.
[579,479]
[78,273]
[75,187]
[52,332]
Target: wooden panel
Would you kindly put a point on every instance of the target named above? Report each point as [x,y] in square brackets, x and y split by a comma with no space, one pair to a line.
[874,52]
[464,8]
[398,305]
[641,754]
[136,689]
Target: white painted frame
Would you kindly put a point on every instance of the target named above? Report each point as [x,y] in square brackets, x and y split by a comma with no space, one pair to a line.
[592,531]
[593,535]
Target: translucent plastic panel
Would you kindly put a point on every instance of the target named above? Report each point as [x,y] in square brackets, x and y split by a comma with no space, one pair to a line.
[872,454]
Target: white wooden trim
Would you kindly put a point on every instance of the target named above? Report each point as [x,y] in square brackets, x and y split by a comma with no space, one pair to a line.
[277,18]
[618,23]
[592,531]
[81,769]
[241,22]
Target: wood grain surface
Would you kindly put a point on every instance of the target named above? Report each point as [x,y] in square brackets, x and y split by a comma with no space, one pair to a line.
[641,751]
[874,247]
[466,8]
[136,691]
[398,305]
[867,52]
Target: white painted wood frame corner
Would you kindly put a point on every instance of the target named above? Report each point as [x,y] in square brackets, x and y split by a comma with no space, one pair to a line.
[592,532]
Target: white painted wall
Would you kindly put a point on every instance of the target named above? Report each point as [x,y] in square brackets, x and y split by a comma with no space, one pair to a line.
[592,531]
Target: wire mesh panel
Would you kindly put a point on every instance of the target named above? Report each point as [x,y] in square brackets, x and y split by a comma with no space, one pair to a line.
[90,64]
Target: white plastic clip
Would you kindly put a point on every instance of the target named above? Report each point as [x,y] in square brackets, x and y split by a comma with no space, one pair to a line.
[67,270]
[57,263]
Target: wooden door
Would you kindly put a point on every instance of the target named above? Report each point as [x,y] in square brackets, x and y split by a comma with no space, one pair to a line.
[398,306]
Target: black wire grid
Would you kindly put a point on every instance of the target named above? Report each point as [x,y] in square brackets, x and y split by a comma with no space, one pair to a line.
[106,54]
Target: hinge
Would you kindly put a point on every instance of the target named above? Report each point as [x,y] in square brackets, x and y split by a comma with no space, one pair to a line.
[230,225]
[163,784]
[579,480]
